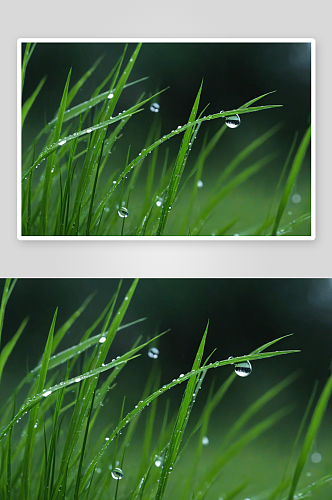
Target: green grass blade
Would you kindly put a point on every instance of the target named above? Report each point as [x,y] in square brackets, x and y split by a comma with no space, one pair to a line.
[6,351]
[69,323]
[288,228]
[50,162]
[178,168]
[31,432]
[29,48]
[7,290]
[310,436]
[29,102]
[295,168]
[181,423]
[249,103]
[309,490]
[73,91]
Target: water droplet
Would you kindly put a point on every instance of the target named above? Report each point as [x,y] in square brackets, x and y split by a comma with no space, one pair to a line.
[61,143]
[153,353]
[205,441]
[89,130]
[110,96]
[289,212]
[98,470]
[107,439]
[117,473]
[296,198]
[47,393]
[77,379]
[316,458]
[243,369]
[199,184]
[123,212]
[102,340]
[52,170]
[308,474]
[233,121]
[155,107]
[158,461]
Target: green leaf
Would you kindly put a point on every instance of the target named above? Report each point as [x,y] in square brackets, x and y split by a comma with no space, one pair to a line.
[29,102]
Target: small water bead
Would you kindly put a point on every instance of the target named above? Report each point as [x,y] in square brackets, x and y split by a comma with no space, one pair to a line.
[102,340]
[98,470]
[61,143]
[123,212]
[205,441]
[47,393]
[233,121]
[117,473]
[153,353]
[158,461]
[110,96]
[199,184]
[316,458]
[78,379]
[296,198]
[155,107]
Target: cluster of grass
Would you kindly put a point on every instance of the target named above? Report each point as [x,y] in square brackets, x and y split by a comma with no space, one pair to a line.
[79,191]
[59,456]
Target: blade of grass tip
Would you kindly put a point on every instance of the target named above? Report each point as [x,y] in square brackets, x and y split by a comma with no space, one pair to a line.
[6,351]
[181,423]
[310,435]
[249,103]
[29,48]
[194,373]
[7,290]
[29,102]
[178,168]
[69,323]
[295,169]
[31,431]
[72,93]
[50,162]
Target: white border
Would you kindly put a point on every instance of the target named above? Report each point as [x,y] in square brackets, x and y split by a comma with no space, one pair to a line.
[312,41]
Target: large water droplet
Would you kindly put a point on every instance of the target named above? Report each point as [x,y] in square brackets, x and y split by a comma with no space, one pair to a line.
[47,393]
[233,121]
[123,212]
[199,184]
[153,353]
[243,369]
[155,107]
[158,461]
[117,473]
[61,143]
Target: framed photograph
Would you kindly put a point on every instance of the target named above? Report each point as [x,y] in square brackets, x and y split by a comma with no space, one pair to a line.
[172,138]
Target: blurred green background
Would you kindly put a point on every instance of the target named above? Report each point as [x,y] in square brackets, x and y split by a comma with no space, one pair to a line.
[243,314]
[233,73]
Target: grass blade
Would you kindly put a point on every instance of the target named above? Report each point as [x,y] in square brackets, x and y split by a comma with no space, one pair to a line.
[29,102]
[295,168]
[310,436]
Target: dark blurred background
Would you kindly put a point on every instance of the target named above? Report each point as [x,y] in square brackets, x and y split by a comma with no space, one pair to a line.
[233,74]
[243,314]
